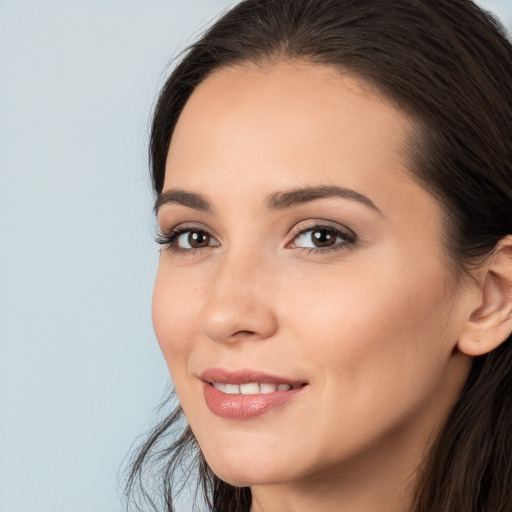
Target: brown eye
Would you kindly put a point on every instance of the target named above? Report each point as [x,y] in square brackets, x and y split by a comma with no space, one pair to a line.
[323,238]
[183,240]
[196,240]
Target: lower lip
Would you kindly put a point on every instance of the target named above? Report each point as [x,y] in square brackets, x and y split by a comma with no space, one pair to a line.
[244,407]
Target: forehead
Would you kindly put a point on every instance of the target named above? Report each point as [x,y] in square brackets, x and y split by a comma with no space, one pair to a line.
[257,117]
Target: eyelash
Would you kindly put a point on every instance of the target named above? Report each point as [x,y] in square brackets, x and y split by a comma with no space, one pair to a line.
[170,240]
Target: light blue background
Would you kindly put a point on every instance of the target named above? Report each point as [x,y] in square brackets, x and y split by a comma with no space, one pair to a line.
[80,371]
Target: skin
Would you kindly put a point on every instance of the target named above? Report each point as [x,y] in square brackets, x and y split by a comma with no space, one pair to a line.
[371,326]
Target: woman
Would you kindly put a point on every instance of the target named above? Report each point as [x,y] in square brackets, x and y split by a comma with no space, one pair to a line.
[334,294]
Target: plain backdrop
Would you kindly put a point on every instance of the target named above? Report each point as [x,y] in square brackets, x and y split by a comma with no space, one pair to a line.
[80,370]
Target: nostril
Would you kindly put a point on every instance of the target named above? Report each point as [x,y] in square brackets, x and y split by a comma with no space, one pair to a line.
[244,333]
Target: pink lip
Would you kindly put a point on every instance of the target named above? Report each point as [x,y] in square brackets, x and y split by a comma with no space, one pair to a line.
[244,377]
[245,406]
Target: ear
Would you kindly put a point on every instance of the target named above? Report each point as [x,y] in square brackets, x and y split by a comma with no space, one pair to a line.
[490,324]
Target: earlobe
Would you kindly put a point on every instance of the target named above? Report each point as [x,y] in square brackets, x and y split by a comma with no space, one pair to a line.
[490,324]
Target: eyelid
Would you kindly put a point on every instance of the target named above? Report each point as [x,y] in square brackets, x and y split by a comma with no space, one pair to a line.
[307,225]
[186,226]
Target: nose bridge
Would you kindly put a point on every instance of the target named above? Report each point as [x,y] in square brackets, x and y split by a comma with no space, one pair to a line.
[240,266]
[238,303]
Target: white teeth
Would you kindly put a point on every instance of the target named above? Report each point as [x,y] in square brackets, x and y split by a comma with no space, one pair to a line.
[220,386]
[268,388]
[232,389]
[250,388]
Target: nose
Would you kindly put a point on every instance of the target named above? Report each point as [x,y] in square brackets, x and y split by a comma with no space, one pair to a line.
[239,305]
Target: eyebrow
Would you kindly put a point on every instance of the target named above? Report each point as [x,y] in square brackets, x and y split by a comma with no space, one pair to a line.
[290,198]
[275,201]
[178,196]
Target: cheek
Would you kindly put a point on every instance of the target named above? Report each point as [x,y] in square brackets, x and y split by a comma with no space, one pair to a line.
[378,348]
[375,326]
[175,315]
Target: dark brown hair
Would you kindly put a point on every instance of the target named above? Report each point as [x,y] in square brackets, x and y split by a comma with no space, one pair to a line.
[448,65]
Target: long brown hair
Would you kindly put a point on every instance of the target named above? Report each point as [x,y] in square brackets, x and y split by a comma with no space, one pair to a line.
[447,64]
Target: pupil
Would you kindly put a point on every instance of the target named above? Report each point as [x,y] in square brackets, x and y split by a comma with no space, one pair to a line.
[323,238]
[198,239]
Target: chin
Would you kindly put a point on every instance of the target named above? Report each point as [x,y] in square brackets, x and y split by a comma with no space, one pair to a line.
[244,470]
[246,476]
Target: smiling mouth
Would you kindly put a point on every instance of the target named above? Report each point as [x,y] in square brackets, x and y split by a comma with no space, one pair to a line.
[253,388]
[245,400]
[246,394]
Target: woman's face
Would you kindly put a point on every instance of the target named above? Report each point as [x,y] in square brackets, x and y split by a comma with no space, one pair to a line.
[302,253]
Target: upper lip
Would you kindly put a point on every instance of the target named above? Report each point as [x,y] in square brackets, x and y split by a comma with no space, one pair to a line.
[225,376]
